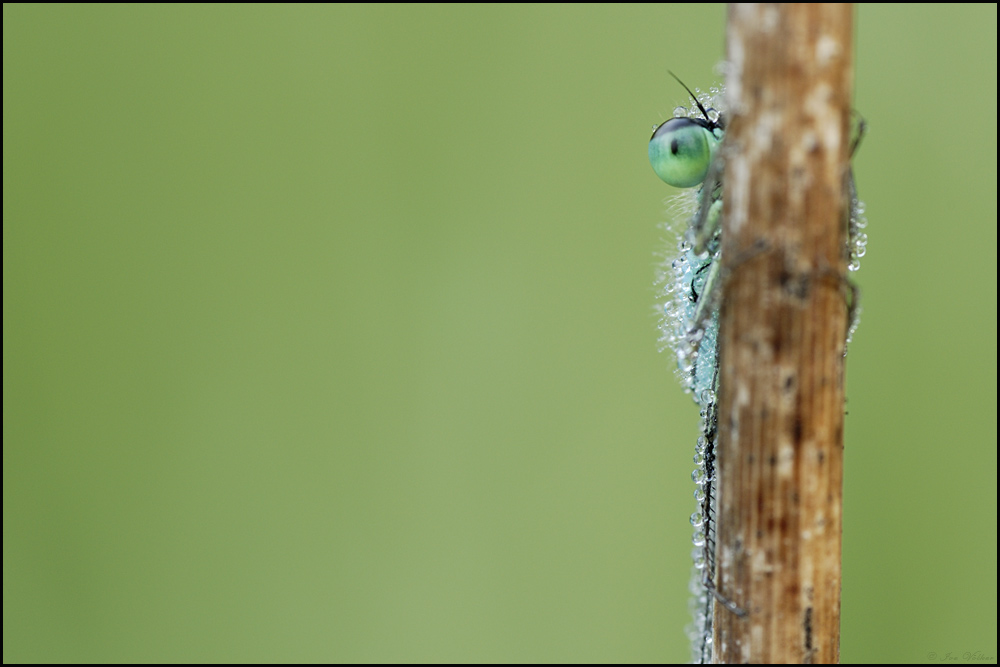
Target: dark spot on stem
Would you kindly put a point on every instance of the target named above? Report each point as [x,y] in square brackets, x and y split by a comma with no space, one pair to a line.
[808,631]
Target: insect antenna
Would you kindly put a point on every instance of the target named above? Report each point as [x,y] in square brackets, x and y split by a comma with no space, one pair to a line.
[693,96]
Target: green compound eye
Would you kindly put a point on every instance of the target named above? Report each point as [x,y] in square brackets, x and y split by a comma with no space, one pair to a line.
[681,150]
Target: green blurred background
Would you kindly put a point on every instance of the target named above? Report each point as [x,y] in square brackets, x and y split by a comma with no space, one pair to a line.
[328,335]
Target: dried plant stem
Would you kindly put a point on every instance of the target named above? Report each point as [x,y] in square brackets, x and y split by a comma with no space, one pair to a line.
[783,325]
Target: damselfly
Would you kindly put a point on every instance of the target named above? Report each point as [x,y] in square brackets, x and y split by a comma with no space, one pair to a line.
[686,152]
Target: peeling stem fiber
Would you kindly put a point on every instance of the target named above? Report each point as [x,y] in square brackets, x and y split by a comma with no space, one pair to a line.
[783,328]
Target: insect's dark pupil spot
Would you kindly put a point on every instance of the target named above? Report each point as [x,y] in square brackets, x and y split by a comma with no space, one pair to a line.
[673,147]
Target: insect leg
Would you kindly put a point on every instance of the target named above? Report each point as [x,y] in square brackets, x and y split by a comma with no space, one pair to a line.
[706,224]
